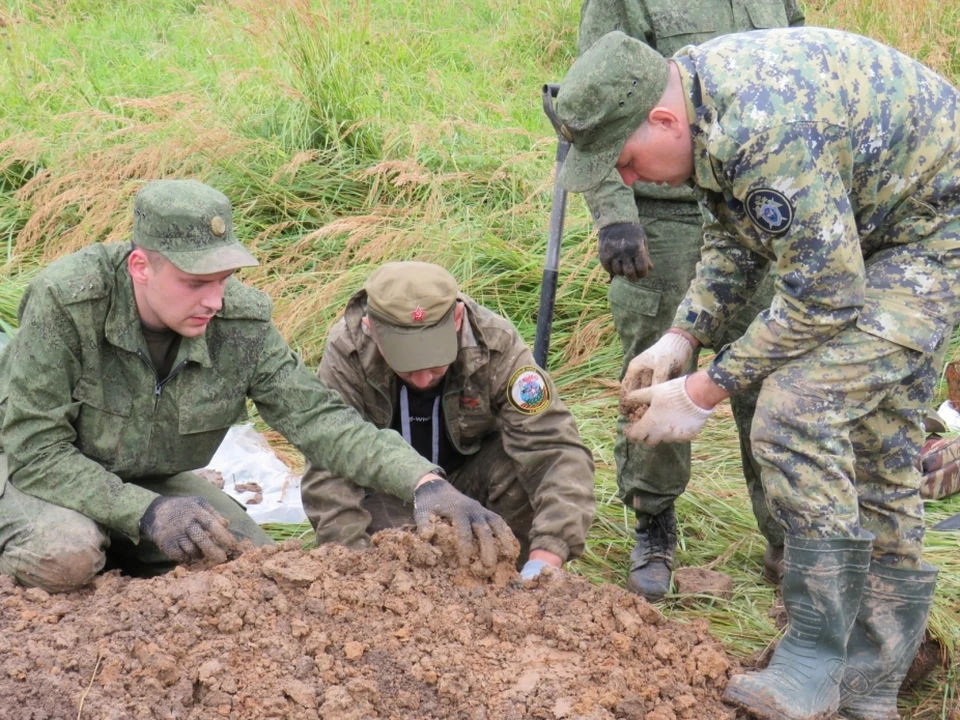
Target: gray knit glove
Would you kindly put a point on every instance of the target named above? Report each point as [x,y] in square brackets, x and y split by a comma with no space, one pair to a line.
[469,519]
[187,528]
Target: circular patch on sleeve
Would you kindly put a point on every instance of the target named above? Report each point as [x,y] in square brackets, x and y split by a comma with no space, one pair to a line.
[528,391]
[770,210]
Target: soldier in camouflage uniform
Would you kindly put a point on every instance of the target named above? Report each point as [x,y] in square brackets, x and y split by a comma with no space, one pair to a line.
[666,222]
[129,366]
[836,160]
[458,382]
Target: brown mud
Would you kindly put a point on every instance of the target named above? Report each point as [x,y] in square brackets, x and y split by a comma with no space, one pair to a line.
[390,632]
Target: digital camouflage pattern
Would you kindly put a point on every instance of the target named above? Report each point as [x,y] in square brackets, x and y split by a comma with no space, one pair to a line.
[650,478]
[190,224]
[551,468]
[848,151]
[83,412]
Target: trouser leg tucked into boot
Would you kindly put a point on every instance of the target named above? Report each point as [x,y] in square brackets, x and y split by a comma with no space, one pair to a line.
[890,625]
[822,584]
[651,562]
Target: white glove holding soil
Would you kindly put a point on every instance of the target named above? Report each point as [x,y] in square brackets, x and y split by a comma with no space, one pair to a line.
[671,416]
[666,359]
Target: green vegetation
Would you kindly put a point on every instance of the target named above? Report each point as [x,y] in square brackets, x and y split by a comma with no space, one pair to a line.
[348,133]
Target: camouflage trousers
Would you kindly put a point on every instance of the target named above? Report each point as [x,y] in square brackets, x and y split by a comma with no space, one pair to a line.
[651,478]
[345,513]
[838,431]
[59,550]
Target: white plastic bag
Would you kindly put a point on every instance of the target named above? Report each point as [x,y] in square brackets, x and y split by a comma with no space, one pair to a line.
[950,416]
[245,458]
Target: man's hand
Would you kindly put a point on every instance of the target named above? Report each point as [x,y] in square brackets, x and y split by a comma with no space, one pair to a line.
[187,528]
[469,519]
[663,361]
[539,560]
[671,416]
[623,250]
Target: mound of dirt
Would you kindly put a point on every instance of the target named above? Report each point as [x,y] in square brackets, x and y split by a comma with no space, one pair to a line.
[390,632]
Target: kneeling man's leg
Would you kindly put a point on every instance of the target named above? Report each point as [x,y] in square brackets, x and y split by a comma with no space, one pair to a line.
[44,545]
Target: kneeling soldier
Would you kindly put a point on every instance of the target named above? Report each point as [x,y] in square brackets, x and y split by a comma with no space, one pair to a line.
[458,382]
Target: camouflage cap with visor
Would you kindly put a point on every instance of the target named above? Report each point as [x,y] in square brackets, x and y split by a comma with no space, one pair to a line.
[607,94]
[411,306]
[190,224]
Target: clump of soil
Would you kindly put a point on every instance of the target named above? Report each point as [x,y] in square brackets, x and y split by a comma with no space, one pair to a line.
[391,632]
[629,408]
[701,582]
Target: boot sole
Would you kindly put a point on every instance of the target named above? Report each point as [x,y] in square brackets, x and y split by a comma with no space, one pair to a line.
[765,707]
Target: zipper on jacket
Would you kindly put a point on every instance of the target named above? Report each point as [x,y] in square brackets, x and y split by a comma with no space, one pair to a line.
[158,387]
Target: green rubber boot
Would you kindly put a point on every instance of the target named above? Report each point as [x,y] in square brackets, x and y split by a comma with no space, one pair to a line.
[890,625]
[822,584]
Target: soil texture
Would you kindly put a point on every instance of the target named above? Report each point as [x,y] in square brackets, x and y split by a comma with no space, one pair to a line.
[396,631]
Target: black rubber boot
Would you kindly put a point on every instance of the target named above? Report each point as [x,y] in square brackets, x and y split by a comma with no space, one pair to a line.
[773,564]
[651,562]
[890,625]
[822,584]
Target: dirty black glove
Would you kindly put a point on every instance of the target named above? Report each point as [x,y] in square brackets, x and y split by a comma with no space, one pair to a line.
[187,528]
[623,250]
[468,518]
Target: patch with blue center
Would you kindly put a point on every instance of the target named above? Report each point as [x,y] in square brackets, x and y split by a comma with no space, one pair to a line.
[528,390]
[770,210]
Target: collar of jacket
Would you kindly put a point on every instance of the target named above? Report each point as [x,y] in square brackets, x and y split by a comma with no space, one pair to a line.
[472,355]
[122,326]
[711,145]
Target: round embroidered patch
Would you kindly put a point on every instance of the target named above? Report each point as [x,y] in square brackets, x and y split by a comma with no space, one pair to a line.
[528,391]
[770,210]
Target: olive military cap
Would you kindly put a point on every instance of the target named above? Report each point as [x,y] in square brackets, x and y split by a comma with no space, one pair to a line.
[606,95]
[411,306]
[190,224]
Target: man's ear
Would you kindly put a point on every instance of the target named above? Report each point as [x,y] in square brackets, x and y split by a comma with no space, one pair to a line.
[139,266]
[458,315]
[663,118]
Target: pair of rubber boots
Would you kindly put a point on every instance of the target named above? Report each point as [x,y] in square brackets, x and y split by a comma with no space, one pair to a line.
[651,562]
[855,626]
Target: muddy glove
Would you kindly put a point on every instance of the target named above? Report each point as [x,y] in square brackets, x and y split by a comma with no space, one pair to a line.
[468,518]
[665,359]
[533,568]
[187,528]
[623,250]
[671,416]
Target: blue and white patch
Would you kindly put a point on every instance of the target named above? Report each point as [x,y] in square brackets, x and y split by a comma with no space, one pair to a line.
[770,211]
[528,391]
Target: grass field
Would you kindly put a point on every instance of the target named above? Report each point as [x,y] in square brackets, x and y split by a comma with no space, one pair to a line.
[349,133]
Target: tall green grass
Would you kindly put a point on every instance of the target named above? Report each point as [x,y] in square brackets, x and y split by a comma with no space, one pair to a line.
[350,132]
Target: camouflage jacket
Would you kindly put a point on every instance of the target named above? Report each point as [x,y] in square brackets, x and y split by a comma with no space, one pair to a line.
[82,411]
[667,26]
[814,150]
[543,441]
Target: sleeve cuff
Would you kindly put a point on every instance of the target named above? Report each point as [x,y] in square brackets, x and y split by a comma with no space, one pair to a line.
[137,499]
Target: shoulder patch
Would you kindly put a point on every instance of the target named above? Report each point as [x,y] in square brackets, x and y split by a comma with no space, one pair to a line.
[529,391]
[770,210]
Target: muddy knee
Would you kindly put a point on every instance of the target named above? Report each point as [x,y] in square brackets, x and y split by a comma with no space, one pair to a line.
[60,560]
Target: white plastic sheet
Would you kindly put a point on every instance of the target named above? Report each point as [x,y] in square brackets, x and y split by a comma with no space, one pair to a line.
[951,417]
[243,458]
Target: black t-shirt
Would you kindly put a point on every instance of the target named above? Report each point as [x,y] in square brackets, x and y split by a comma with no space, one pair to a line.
[163,346]
[426,430]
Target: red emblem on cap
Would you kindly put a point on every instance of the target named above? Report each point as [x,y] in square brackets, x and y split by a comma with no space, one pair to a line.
[418,315]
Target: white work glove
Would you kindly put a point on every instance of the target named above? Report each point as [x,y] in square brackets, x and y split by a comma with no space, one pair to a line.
[533,568]
[671,416]
[666,359]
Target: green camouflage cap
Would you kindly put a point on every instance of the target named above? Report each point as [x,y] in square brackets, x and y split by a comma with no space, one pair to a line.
[608,93]
[411,306]
[190,224]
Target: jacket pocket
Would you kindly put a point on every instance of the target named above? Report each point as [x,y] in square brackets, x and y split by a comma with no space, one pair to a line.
[636,299]
[767,14]
[101,423]
[903,325]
